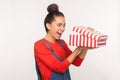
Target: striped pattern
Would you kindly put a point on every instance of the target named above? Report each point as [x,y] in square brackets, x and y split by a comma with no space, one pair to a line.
[82,36]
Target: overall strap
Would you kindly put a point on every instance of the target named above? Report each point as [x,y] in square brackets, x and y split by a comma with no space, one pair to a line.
[38,71]
[62,44]
[51,50]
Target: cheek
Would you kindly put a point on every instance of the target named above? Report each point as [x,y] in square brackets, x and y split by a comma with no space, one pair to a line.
[53,30]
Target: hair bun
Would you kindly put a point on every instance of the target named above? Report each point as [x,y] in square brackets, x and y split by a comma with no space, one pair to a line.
[52,8]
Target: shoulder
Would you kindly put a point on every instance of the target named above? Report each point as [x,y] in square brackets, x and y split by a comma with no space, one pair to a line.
[39,44]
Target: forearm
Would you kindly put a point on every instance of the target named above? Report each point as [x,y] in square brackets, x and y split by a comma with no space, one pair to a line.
[77,52]
[71,57]
[77,61]
[82,53]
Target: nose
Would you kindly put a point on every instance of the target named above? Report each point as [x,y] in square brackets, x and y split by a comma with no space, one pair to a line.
[63,28]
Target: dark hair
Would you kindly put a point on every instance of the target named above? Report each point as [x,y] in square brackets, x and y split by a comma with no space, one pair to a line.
[53,11]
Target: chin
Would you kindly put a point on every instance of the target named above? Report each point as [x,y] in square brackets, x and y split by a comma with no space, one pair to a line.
[58,38]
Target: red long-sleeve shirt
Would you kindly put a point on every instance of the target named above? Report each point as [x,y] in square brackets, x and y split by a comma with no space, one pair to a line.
[47,62]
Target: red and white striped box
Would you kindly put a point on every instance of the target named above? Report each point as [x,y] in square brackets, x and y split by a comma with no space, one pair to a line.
[84,37]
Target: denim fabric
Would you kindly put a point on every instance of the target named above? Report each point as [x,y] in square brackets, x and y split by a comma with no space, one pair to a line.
[60,76]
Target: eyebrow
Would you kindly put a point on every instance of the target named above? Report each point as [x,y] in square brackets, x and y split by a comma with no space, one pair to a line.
[61,24]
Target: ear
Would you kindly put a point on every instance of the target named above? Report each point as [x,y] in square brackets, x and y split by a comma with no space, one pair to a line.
[48,26]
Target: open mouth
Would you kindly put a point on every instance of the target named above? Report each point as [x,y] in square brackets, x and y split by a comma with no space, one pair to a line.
[59,33]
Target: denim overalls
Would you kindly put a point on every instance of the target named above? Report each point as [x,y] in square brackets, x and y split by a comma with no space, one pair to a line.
[55,75]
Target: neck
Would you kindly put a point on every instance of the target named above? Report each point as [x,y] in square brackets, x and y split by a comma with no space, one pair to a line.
[50,38]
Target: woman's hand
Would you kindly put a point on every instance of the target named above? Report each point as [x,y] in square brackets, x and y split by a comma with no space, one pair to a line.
[83,51]
[73,55]
[79,51]
[90,28]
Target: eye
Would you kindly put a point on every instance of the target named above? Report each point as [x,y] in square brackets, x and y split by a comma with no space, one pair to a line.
[59,24]
[64,25]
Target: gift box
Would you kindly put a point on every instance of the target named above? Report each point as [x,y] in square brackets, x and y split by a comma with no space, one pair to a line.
[86,37]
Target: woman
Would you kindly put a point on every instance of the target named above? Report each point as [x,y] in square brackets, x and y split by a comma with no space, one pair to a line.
[52,58]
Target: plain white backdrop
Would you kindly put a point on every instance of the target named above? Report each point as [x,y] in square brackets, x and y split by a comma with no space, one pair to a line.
[21,24]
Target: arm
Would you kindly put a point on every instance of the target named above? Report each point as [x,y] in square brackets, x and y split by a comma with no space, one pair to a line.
[73,55]
[78,60]
[76,57]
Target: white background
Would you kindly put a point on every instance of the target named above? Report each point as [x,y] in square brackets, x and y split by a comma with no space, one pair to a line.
[21,24]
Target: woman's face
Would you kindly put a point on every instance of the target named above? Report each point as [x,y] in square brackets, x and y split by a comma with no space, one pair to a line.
[57,27]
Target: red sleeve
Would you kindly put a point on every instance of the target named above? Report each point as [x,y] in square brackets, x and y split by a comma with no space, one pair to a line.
[42,53]
[78,60]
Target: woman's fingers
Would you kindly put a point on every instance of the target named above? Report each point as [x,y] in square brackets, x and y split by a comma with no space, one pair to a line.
[90,28]
[87,48]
